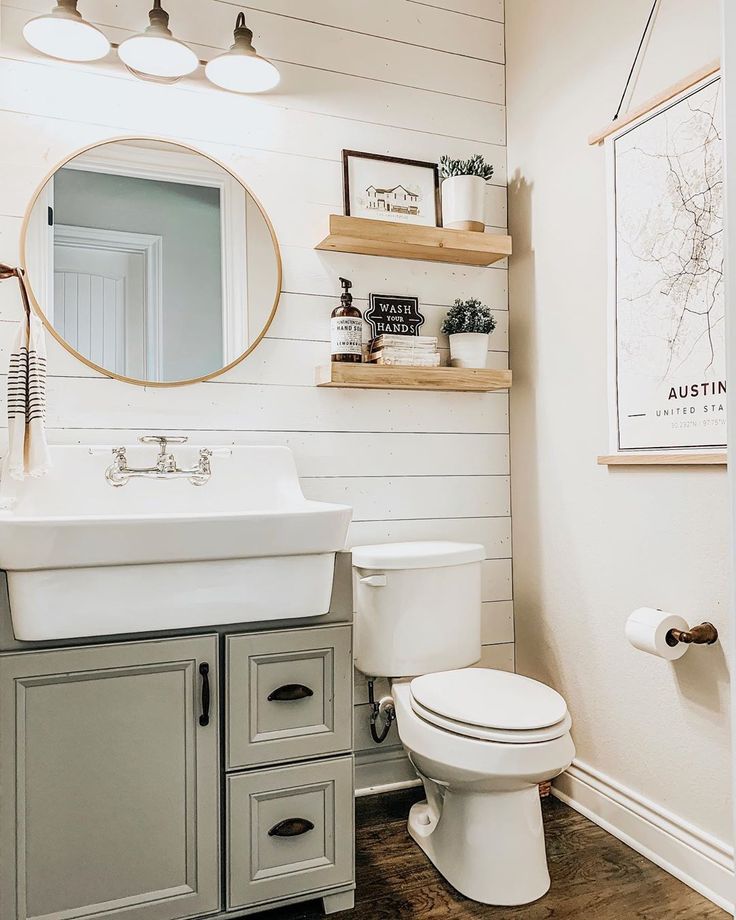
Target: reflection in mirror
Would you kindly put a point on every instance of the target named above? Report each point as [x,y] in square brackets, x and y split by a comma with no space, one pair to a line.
[152,261]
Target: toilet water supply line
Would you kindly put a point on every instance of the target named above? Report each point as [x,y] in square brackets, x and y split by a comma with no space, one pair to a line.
[382,710]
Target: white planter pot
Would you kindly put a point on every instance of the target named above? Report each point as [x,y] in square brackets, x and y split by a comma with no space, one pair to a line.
[469,349]
[463,203]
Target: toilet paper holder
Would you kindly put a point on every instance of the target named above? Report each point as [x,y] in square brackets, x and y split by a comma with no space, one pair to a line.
[704,634]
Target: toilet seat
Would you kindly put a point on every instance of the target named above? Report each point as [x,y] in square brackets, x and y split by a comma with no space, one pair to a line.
[501,736]
[490,705]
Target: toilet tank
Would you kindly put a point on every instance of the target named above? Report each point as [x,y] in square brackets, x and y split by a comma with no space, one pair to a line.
[417,607]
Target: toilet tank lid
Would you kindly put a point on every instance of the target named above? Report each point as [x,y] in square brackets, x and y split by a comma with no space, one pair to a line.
[426,554]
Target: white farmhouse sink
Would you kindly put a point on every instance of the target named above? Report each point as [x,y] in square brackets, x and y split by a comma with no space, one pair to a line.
[84,558]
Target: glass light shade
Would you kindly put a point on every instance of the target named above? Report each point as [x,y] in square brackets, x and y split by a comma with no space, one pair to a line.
[155,52]
[241,72]
[242,69]
[157,55]
[63,34]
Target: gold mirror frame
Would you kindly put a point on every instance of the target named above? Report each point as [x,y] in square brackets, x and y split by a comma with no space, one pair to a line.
[38,309]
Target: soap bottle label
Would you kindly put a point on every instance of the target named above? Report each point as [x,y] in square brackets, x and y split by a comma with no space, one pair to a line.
[346,335]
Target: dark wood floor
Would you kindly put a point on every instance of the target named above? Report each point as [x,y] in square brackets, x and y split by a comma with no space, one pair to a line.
[594,876]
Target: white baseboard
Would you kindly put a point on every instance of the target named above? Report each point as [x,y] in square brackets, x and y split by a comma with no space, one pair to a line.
[690,854]
[376,772]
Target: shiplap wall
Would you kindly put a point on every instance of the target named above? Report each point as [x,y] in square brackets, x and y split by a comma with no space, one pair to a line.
[401,77]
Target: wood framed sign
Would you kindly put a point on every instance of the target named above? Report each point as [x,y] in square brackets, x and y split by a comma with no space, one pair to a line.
[393,314]
[667,368]
[380,187]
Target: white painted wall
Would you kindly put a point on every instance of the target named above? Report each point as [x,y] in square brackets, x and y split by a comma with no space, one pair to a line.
[729,79]
[393,76]
[591,544]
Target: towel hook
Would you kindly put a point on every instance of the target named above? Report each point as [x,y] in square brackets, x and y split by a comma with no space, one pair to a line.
[7,271]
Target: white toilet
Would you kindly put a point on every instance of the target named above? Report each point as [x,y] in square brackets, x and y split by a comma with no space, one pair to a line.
[481,740]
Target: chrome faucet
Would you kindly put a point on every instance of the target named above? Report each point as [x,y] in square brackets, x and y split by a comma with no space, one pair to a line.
[165,467]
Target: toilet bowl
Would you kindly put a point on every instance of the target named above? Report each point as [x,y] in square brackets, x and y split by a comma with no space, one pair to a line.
[482,822]
[480,740]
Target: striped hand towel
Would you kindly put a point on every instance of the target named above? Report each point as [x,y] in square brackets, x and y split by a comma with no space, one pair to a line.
[28,453]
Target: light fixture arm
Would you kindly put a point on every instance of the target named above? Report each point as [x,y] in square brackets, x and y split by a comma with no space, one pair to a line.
[243,35]
[158,18]
[69,7]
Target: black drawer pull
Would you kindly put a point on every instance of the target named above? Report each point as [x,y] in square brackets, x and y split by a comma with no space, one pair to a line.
[291,827]
[289,692]
[204,670]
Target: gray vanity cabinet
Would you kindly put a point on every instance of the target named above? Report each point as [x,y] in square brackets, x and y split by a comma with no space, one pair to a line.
[110,784]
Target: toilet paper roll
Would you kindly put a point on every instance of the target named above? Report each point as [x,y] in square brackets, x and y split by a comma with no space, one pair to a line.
[647,628]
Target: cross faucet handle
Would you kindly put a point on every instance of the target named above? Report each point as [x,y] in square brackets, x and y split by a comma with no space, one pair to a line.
[162,439]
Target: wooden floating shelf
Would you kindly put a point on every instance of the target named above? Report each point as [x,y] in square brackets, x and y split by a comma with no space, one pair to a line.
[704,459]
[382,377]
[407,241]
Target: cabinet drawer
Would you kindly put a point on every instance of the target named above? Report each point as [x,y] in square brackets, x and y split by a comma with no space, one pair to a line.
[289,695]
[290,830]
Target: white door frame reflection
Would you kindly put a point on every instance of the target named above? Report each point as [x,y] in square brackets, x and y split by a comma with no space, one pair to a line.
[154,158]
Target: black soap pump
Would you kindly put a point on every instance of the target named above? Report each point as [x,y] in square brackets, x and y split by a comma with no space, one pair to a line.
[346,328]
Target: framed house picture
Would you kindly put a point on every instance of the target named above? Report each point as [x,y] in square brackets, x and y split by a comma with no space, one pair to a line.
[390,188]
[667,362]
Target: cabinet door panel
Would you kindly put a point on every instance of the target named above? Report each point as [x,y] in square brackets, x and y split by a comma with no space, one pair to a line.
[113,781]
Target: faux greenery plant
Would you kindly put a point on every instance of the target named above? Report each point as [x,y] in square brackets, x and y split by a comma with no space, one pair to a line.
[468,316]
[475,166]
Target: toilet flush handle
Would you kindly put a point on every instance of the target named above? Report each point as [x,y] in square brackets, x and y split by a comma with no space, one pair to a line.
[375,581]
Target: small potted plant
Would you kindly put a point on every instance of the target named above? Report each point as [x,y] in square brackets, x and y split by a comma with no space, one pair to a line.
[463,192]
[469,325]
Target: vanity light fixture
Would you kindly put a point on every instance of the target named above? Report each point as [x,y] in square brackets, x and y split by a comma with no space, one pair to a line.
[242,69]
[64,34]
[155,53]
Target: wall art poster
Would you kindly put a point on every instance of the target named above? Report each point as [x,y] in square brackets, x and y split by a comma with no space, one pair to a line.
[391,188]
[668,306]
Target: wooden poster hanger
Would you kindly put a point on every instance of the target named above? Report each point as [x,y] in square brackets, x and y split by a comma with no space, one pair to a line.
[662,97]
[617,123]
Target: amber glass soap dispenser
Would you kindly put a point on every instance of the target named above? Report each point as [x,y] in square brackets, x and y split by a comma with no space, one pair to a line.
[346,328]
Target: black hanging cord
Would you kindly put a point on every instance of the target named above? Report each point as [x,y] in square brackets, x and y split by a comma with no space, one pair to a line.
[644,35]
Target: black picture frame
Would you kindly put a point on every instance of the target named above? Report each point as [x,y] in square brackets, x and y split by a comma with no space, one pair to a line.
[419,164]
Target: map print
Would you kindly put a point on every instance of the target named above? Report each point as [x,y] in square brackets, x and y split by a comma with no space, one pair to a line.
[670,335]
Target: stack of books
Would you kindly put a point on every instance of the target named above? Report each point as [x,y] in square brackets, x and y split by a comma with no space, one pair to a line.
[404,350]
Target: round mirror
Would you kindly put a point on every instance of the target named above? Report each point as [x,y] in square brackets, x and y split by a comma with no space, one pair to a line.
[151,262]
